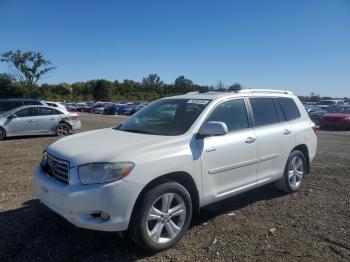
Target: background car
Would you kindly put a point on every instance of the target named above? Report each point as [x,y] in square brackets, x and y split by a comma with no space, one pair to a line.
[37,120]
[338,117]
[56,105]
[11,103]
[123,109]
[71,107]
[315,113]
[331,102]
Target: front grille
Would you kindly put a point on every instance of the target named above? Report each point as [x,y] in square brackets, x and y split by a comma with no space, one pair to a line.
[57,169]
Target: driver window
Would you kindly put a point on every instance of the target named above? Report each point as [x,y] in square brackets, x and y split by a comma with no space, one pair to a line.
[26,112]
[233,113]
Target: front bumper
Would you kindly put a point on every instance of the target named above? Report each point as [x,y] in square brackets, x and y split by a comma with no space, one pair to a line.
[77,203]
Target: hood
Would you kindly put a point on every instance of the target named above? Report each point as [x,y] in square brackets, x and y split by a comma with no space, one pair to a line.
[337,115]
[102,145]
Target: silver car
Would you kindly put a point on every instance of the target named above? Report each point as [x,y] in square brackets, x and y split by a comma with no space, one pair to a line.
[37,120]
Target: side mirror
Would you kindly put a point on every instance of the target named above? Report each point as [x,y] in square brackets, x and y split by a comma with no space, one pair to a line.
[213,128]
[12,116]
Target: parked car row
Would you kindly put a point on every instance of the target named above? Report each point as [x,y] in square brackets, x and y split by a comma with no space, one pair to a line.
[108,108]
[334,115]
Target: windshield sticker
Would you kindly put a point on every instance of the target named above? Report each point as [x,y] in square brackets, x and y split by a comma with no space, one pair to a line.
[198,102]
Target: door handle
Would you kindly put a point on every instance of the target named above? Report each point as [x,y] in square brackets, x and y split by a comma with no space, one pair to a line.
[31,121]
[286,131]
[250,140]
[52,118]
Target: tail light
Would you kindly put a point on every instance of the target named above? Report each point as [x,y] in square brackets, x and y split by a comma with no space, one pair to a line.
[76,117]
[313,126]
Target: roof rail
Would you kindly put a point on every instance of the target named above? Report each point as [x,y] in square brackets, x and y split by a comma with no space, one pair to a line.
[192,93]
[247,90]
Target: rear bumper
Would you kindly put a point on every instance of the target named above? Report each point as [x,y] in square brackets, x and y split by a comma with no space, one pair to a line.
[76,125]
[76,202]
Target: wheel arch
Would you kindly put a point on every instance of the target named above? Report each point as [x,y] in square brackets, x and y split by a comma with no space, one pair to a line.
[64,122]
[304,149]
[181,177]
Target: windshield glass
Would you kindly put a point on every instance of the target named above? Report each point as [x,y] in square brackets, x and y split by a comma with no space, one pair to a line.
[169,117]
[340,109]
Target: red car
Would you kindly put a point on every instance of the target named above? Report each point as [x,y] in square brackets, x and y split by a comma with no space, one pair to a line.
[338,117]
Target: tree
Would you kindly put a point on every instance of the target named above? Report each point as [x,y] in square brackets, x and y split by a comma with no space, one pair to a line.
[28,67]
[235,87]
[183,85]
[153,82]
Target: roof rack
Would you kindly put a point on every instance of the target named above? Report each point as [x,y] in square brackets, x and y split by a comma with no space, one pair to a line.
[265,91]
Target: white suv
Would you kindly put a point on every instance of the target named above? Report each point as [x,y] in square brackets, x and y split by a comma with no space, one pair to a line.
[176,155]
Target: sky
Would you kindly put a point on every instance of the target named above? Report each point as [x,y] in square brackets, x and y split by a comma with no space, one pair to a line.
[297,45]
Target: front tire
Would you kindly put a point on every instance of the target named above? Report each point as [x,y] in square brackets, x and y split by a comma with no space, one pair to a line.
[2,134]
[162,217]
[294,173]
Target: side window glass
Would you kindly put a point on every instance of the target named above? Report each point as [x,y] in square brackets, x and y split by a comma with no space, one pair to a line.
[44,111]
[27,112]
[264,111]
[233,113]
[56,112]
[280,113]
[289,107]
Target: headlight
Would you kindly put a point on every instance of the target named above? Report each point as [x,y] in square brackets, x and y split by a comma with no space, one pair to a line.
[96,173]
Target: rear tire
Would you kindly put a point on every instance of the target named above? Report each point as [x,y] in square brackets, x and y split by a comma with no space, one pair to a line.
[162,217]
[294,173]
[63,129]
[2,134]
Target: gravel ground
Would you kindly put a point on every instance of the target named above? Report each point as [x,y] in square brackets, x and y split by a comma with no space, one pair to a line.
[261,225]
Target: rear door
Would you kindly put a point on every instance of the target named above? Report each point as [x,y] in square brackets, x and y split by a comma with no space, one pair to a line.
[47,119]
[24,123]
[229,162]
[275,137]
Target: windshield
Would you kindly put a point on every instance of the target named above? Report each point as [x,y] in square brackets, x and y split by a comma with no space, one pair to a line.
[340,109]
[169,117]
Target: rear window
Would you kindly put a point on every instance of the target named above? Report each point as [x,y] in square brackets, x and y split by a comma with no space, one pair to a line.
[289,108]
[264,111]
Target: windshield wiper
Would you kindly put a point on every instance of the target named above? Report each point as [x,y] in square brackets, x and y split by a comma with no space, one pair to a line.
[136,131]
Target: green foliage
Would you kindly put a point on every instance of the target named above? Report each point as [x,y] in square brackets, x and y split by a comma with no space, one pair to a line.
[27,67]
[235,87]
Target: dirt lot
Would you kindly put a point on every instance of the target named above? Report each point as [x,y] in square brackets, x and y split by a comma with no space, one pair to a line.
[313,224]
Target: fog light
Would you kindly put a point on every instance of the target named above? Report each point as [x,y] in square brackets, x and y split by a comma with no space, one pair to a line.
[100,215]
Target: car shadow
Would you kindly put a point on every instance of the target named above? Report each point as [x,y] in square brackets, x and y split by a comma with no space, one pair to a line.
[238,202]
[27,137]
[35,233]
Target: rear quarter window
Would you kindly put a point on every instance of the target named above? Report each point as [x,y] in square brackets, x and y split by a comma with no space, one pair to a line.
[289,108]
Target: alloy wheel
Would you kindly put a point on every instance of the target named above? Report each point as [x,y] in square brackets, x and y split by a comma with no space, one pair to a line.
[62,130]
[166,218]
[296,171]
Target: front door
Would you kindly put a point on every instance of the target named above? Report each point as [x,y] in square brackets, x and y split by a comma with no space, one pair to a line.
[24,123]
